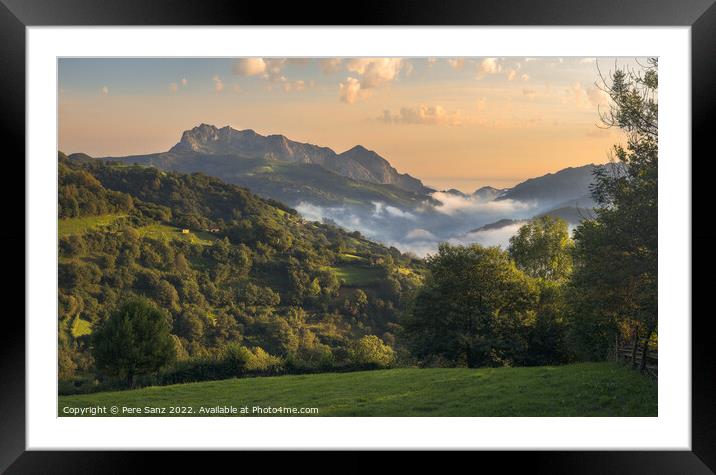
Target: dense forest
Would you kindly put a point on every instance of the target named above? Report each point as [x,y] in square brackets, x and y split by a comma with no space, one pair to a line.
[170,277]
[227,268]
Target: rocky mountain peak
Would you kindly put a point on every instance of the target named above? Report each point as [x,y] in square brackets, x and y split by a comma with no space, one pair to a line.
[358,163]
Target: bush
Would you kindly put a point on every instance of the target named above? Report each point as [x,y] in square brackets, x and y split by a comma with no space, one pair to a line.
[242,359]
[370,350]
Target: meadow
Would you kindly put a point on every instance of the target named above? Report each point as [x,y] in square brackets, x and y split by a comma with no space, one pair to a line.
[582,389]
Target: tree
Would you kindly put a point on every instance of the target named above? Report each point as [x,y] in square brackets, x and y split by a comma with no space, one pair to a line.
[370,350]
[472,309]
[189,324]
[616,252]
[543,249]
[135,340]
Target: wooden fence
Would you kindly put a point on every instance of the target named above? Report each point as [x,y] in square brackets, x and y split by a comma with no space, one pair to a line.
[626,353]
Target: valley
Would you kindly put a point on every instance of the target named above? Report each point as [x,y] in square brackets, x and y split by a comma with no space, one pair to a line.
[359,190]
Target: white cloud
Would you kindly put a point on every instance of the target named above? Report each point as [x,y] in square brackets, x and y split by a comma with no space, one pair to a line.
[350,91]
[218,84]
[372,73]
[451,204]
[398,213]
[488,66]
[270,70]
[491,237]
[104,90]
[375,72]
[249,66]
[423,114]
[383,210]
[273,69]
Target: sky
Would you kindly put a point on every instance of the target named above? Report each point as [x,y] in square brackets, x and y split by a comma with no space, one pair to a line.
[451,122]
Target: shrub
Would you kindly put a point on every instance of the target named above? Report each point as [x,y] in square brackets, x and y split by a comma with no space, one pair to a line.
[370,350]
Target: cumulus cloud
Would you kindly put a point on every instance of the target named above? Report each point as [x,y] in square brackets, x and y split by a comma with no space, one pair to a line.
[350,91]
[371,73]
[273,69]
[270,70]
[488,66]
[249,66]
[375,72]
[218,84]
[104,90]
[423,114]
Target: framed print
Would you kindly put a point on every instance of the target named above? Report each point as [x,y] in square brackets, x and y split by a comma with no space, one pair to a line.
[419,227]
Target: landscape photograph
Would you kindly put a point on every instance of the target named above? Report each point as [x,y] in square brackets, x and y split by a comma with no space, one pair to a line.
[357,236]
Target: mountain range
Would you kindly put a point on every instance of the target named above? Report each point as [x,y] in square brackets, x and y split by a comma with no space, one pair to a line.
[361,190]
[293,172]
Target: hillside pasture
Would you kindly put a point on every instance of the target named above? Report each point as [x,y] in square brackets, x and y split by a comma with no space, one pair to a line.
[357,275]
[75,226]
[584,389]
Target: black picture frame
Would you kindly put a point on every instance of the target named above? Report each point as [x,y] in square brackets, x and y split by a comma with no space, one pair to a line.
[16,15]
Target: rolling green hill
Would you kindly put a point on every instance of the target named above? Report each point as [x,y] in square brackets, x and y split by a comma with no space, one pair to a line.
[228,268]
[287,182]
[585,389]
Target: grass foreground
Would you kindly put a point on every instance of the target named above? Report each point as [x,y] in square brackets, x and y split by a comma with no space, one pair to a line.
[583,389]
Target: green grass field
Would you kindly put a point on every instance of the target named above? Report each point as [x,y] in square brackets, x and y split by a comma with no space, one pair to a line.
[356,275]
[584,389]
[72,226]
[166,232]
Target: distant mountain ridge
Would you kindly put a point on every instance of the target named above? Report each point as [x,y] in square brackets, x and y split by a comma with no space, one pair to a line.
[567,184]
[488,193]
[358,163]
